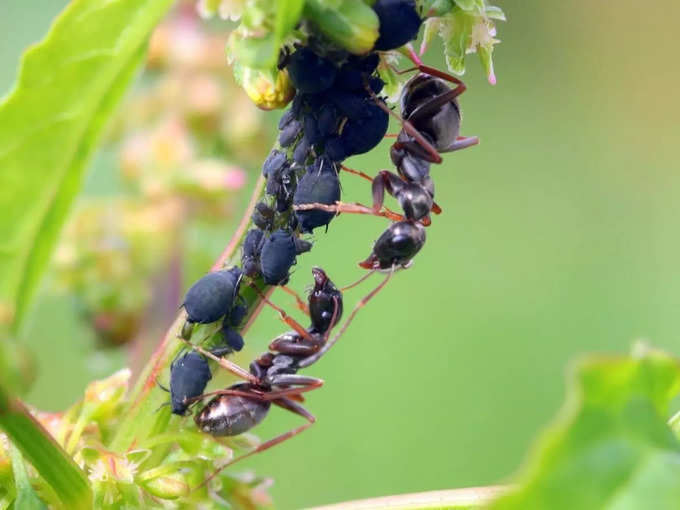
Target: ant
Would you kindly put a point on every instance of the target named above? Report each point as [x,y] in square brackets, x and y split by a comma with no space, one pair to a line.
[430,119]
[272,378]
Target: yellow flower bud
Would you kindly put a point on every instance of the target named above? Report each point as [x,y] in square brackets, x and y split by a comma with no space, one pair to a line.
[269,90]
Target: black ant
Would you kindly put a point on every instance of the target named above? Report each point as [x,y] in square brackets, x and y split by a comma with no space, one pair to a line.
[430,119]
[272,377]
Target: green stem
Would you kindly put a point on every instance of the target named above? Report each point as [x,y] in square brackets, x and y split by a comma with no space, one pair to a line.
[141,419]
[456,499]
[56,467]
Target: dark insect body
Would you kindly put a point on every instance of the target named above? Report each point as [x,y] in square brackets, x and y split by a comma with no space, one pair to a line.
[320,184]
[278,255]
[212,296]
[399,23]
[309,72]
[325,303]
[396,246]
[252,247]
[189,375]
[430,119]
[272,377]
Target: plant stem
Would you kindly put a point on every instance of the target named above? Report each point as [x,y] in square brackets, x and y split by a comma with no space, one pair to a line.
[141,419]
[458,499]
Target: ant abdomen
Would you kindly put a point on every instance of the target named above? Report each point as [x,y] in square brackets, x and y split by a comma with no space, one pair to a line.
[230,415]
[441,125]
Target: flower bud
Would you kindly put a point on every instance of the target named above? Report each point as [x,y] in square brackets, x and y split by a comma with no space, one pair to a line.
[171,486]
[352,24]
[268,89]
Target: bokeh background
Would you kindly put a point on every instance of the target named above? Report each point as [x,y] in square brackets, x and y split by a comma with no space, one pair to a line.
[560,235]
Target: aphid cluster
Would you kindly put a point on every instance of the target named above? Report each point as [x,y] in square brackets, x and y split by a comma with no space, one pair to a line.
[336,113]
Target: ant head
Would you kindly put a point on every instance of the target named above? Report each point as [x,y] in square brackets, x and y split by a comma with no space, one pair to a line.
[320,277]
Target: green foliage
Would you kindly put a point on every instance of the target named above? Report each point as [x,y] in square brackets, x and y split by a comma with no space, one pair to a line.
[465,27]
[352,24]
[25,495]
[265,25]
[611,448]
[68,86]
[67,481]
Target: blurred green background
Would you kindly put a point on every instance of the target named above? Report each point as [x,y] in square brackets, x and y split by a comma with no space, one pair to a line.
[559,236]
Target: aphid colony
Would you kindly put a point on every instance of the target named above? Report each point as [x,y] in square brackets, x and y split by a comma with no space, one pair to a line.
[336,113]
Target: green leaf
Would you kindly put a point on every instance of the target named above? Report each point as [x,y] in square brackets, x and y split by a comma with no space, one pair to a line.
[26,496]
[471,5]
[455,30]
[611,447]
[67,480]
[287,16]
[468,30]
[68,86]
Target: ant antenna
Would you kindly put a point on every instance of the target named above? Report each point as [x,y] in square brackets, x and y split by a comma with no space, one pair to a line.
[360,280]
[226,364]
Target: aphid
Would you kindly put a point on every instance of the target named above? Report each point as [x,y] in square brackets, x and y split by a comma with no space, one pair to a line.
[189,375]
[430,125]
[274,162]
[309,72]
[301,152]
[280,184]
[396,246]
[319,185]
[351,75]
[362,133]
[252,246]
[212,296]
[399,23]
[278,255]
[273,378]
[289,133]
[232,338]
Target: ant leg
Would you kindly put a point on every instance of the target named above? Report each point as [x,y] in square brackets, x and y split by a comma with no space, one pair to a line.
[298,300]
[360,280]
[432,71]
[285,345]
[340,207]
[304,384]
[315,357]
[368,178]
[284,316]
[432,154]
[431,107]
[284,403]
[462,142]
[357,172]
[254,394]
[226,364]
[385,181]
